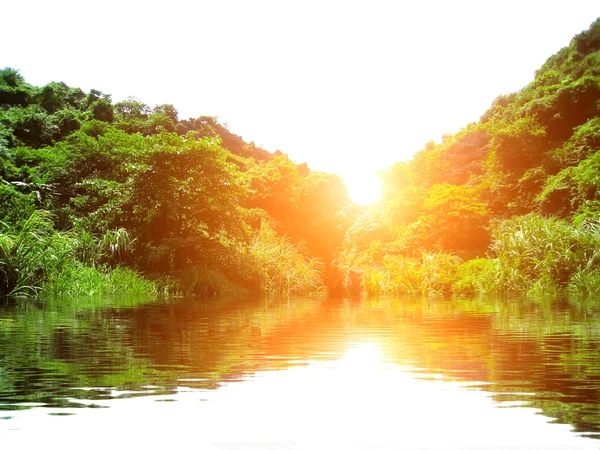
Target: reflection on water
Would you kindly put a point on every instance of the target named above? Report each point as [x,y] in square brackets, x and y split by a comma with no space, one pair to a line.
[403,372]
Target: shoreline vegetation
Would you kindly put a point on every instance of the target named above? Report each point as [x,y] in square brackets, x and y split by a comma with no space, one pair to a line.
[103,198]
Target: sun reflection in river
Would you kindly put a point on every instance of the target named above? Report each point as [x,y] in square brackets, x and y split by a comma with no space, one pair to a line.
[354,401]
[361,356]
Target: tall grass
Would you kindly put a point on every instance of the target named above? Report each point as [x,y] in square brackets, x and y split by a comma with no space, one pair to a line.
[530,255]
[585,282]
[477,276]
[38,260]
[79,280]
[203,282]
[32,254]
[35,259]
[108,249]
[545,255]
[283,268]
[428,273]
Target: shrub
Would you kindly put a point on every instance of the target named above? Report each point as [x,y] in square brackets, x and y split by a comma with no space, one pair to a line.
[282,267]
[477,276]
[32,254]
[545,253]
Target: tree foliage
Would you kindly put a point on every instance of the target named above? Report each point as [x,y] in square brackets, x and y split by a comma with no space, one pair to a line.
[198,203]
[535,150]
[188,196]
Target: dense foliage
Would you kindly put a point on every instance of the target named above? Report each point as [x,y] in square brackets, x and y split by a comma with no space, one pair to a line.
[509,204]
[90,187]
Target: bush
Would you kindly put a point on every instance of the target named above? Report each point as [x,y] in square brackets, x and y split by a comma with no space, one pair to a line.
[80,280]
[32,254]
[545,253]
[429,273]
[282,267]
[477,276]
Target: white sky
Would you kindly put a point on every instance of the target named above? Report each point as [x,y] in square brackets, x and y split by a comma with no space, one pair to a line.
[349,87]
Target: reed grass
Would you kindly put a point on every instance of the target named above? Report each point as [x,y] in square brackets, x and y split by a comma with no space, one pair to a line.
[203,282]
[282,267]
[477,276]
[529,255]
[79,280]
[32,254]
[427,273]
[107,249]
[35,259]
[540,255]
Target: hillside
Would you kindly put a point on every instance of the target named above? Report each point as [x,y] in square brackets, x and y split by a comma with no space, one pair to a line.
[93,192]
[507,203]
[88,185]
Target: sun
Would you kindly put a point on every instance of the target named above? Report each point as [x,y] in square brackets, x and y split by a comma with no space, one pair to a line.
[363,189]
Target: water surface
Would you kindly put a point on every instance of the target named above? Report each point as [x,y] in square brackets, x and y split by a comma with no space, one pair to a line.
[301,373]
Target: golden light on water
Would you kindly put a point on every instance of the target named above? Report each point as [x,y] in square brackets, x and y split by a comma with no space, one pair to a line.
[340,403]
[313,375]
[361,355]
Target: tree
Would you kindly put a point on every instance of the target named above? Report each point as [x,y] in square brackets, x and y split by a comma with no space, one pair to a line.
[454,219]
[186,200]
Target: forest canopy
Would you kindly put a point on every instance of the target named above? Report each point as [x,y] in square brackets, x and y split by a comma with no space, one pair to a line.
[130,185]
[92,190]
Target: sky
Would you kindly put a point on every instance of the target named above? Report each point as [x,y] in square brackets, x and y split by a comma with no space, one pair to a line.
[347,86]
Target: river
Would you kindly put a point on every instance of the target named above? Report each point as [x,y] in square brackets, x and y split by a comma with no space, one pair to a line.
[300,373]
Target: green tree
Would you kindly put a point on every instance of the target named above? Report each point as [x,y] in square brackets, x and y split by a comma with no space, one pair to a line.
[186,200]
[454,219]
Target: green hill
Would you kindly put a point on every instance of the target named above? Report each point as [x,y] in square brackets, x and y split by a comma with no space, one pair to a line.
[184,202]
[515,195]
[95,194]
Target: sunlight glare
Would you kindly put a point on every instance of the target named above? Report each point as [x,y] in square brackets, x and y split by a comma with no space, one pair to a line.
[363,189]
[361,356]
[346,403]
